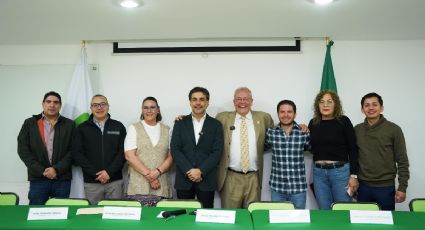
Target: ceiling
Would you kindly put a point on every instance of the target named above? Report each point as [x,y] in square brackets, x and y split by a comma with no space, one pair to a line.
[70,21]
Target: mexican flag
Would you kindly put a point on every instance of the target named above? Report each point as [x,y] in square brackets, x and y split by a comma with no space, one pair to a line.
[328,76]
[77,107]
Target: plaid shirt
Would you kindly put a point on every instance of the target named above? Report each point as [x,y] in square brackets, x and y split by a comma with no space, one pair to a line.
[288,167]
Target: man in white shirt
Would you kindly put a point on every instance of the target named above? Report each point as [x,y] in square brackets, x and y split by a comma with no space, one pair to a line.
[241,166]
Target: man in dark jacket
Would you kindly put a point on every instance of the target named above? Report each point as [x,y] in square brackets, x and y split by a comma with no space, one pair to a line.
[196,147]
[98,148]
[44,145]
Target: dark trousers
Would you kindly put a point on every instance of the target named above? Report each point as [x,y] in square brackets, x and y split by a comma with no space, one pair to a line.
[42,190]
[383,196]
[205,197]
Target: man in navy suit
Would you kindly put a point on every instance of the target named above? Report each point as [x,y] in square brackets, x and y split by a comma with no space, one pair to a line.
[196,147]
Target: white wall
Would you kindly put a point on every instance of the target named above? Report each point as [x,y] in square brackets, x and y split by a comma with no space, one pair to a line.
[394,69]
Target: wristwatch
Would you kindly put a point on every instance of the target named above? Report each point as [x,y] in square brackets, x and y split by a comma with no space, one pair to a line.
[353,176]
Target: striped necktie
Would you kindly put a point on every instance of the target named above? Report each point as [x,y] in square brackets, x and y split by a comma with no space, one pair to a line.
[244,146]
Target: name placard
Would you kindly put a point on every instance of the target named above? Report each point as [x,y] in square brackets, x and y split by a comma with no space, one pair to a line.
[289,216]
[121,213]
[89,211]
[48,213]
[371,217]
[216,216]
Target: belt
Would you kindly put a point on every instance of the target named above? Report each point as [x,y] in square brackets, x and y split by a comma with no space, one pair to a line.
[329,165]
[241,171]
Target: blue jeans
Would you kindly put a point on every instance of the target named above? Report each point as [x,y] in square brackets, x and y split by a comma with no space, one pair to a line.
[298,199]
[383,196]
[42,190]
[330,185]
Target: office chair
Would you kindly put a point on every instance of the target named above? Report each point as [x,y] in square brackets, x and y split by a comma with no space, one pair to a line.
[270,205]
[67,201]
[9,198]
[371,206]
[417,205]
[179,204]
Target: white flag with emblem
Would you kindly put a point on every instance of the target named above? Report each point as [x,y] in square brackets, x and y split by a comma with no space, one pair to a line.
[77,108]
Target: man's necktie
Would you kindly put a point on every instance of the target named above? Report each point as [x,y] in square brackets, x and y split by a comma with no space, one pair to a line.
[244,146]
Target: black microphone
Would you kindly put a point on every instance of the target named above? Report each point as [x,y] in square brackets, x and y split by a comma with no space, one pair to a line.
[201,133]
[167,214]
[232,127]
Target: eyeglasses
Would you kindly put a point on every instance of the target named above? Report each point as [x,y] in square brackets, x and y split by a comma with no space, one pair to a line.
[240,99]
[151,108]
[329,102]
[99,105]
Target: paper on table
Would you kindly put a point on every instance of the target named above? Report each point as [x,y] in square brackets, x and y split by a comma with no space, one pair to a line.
[89,211]
[371,217]
[216,216]
[48,213]
[289,216]
[121,213]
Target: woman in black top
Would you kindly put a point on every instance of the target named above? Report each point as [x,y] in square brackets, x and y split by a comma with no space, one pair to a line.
[333,144]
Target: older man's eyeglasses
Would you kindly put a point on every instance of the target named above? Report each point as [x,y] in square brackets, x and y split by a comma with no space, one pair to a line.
[243,99]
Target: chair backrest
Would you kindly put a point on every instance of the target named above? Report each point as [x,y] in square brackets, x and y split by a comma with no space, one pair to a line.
[67,201]
[265,205]
[179,204]
[9,198]
[417,205]
[371,206]
[129,203]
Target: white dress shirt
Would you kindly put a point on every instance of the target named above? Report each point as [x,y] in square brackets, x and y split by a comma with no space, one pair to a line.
[235,152]
[197,127]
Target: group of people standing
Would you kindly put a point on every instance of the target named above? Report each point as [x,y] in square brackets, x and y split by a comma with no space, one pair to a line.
[223,153]
[360,162]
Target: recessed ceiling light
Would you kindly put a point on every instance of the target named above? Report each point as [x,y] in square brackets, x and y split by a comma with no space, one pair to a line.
[129,3]
[322,2]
